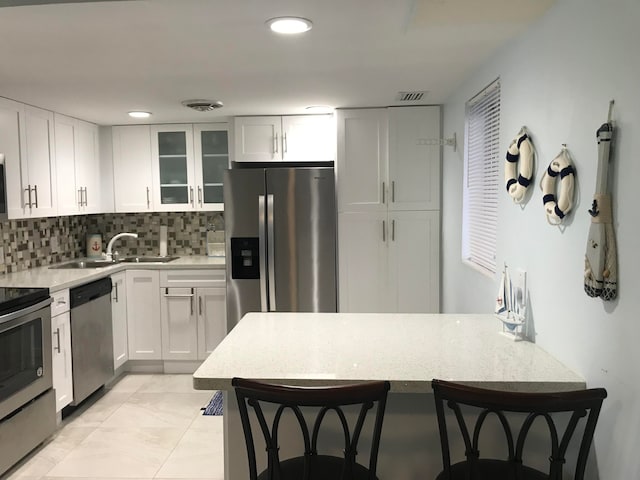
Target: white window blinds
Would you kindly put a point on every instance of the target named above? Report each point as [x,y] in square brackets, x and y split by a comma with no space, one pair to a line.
[481,178]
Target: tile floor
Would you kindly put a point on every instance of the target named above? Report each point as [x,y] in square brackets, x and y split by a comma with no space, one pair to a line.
[143,427]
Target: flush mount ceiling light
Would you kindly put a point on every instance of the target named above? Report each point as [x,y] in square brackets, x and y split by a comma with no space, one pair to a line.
[139,114]
[289,25]
[203,105]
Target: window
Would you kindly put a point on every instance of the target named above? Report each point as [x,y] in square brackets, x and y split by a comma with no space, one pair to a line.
[481,179]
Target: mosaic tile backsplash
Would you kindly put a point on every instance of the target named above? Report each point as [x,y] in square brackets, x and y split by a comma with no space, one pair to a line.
[39,242]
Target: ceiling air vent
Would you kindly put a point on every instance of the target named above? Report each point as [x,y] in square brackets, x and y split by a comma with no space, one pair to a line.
[203,105]
[410,96]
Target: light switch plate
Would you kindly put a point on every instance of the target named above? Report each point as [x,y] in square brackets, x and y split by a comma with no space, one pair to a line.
[520,287]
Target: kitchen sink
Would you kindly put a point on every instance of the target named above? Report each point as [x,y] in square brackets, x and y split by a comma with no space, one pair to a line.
[85,264]
[147,259]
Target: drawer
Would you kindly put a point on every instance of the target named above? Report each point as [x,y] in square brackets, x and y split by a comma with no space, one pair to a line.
[60,302]
[214,277]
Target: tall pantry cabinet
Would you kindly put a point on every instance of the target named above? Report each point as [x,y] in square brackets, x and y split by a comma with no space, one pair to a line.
[388,181]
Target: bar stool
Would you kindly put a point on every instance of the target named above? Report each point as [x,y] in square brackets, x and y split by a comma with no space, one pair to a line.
[323,406]
[581,405]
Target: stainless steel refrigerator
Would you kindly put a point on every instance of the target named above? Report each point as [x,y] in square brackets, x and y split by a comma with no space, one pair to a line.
[280,229]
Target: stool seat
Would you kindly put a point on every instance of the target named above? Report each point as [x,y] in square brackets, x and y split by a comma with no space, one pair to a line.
[488,469]
[321,467]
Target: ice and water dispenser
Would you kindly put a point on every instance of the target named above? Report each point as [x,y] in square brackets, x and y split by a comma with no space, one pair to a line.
[245,258]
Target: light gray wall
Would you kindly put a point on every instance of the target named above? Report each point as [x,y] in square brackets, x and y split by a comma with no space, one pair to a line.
[557,79]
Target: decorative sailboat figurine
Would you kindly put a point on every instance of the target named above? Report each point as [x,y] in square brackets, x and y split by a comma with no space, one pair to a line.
[511,307]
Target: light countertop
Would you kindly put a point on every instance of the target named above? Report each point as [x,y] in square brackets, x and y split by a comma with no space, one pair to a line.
[407,349]
[58,279]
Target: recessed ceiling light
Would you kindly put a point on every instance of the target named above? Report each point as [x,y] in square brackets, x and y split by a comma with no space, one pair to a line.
[319,109]
[140,114]
[289,25]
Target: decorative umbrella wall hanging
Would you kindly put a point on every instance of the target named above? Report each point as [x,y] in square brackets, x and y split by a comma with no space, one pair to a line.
[601,263]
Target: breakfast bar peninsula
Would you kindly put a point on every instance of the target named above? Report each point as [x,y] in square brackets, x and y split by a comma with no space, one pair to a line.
[409,350]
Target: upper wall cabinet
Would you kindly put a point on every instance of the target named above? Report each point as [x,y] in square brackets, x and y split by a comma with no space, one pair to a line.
[77,166]
[132,177]
[26,139]
[188,164]
[294,138]
[388,158]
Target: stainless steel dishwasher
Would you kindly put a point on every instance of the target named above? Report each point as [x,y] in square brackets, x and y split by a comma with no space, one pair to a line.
[91,338]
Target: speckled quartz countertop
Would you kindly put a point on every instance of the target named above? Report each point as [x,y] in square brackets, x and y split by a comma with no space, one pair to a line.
[407,349]
[58,279]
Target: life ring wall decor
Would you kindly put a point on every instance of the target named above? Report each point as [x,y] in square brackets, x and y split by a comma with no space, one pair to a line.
[556,209]
[518,168]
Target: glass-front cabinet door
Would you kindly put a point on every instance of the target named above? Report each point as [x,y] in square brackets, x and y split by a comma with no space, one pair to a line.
[172,150]
[211,160]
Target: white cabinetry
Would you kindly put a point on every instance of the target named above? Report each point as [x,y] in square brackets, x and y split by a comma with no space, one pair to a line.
[119,319]
[27,143]
[132,172]
[294,138]
[193,313]
[169,167]
[77,166]
[143,314]
[11,144]
[61,351]
[388,171]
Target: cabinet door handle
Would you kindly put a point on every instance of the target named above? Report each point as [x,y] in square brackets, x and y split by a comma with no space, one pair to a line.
[191,201]
[393,230]
[384,231]
[192,301]
[199,305]
[35,194]
[86,197]
[275,143]
[393,191]
[57,334]
[28,190]
[148,200]
[115,289]
[383,196]
[200,195]
[80,197]
[284,143]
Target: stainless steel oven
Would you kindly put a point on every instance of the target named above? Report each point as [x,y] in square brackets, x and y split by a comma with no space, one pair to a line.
[27,402]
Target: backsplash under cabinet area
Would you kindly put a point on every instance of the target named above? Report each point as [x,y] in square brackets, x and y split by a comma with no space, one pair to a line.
[38,242]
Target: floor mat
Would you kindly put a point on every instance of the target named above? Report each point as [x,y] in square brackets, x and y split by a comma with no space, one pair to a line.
[215,405]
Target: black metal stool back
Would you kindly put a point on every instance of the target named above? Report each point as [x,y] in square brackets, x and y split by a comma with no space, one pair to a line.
[253,396]
[581,405]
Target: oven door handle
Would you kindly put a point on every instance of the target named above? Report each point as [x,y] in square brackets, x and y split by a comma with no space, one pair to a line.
[21,313]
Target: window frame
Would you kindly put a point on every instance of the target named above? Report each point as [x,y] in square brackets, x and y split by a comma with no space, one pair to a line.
[481,180]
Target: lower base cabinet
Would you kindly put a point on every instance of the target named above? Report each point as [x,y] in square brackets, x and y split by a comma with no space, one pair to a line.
[193,313]
[143,314]
[399,250]
[119,319]
[61,349]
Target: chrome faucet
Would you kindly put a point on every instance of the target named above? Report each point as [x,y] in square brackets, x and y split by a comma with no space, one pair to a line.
[109,255]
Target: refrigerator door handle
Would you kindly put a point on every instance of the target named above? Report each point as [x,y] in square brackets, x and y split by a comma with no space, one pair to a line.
[271,246]
[262,246]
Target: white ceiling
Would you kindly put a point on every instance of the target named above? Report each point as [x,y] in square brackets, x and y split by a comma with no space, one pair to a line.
[97,61]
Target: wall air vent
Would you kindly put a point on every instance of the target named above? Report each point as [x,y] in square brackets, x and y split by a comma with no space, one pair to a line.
[410,96]
[203,105]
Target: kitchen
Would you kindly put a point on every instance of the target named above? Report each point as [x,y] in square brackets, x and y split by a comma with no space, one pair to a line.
[560,90]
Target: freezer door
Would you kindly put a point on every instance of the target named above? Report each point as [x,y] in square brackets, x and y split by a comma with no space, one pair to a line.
[301,239]
[243,190]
